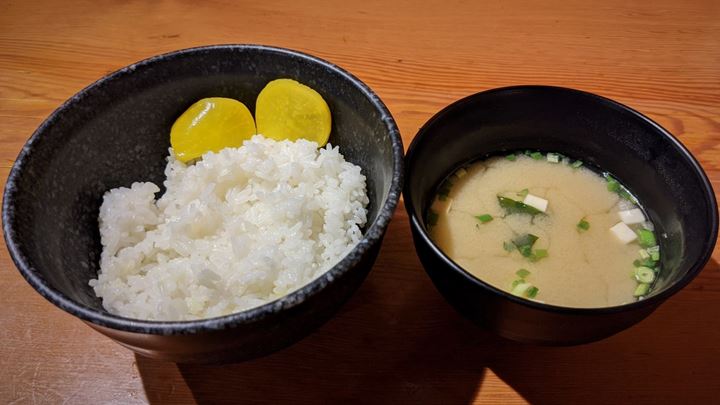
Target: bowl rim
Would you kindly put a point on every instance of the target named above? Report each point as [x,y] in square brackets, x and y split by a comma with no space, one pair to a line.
[653,300]
[373,235]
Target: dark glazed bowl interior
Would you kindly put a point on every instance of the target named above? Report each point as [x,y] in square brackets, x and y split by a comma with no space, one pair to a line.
[116,132]
[642,155]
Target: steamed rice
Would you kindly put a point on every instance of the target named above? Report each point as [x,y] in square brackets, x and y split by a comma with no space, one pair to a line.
[238,229]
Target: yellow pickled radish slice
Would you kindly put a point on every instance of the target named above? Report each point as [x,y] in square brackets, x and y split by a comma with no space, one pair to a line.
[286,109]
[211,124]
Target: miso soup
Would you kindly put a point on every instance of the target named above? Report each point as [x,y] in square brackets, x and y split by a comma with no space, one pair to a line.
[546,228]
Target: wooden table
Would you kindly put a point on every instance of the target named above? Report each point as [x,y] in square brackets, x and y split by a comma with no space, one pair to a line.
[396,340]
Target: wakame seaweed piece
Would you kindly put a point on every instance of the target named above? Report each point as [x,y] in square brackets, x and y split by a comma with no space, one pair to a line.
[432,218]
[524,244]
[444,190]
[516,207]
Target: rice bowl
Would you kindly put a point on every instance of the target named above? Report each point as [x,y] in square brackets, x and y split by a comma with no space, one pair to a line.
[56,187]
[234,231]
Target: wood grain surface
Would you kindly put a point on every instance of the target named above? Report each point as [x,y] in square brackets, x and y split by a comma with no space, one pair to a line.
[396,340]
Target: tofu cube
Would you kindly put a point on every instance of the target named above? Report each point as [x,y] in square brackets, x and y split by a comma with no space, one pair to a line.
[536,202]
[633,216]
[623,233]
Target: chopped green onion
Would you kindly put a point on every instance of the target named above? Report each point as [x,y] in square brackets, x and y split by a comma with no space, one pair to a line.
[576,164]
[536,155]
[524,244]
[644,263]
[485,218]
[432,218]
[626,195]
[646,238]
[641,289]
[516,207]
[538,254]
[522,273]
[521,289]
[511,157]
[522,193]
[553,158]
[612,184]
[460,173]
[644,275]
[583,225]
[508,246]
[644,254]
[654,252]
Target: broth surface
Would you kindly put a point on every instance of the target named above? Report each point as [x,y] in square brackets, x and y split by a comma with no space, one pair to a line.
[584,268]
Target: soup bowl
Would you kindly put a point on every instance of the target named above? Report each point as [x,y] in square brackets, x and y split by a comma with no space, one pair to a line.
[602,133]
[116,132]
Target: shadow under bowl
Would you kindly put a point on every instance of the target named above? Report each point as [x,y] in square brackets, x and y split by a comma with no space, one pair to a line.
[653,164]
[116,132]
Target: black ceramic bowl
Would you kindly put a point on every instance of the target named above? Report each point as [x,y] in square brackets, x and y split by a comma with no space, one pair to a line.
[116,132]
[601,132]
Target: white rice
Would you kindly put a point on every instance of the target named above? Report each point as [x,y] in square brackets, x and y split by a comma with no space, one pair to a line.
[237,229]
